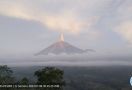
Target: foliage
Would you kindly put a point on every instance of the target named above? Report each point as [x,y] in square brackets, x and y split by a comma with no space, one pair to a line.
[24,81]
[50,76]
[6,75]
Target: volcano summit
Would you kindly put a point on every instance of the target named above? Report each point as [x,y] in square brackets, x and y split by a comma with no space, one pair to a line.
[61,47]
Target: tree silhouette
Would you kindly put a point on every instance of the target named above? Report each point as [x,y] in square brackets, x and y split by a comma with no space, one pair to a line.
[24,81]
[6,75]
[50,76]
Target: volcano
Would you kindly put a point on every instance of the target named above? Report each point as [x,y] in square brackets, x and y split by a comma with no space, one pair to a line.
[61,47]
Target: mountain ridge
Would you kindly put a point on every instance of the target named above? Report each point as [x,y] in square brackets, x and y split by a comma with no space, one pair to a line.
[62,47]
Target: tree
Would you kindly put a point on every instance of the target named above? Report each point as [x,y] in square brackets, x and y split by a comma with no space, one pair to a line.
[24,81]
[6,75]
[50,76]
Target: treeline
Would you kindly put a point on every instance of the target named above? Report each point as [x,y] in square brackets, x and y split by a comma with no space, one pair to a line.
[50,77]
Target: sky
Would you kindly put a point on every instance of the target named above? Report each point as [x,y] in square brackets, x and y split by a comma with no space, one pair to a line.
[28,26]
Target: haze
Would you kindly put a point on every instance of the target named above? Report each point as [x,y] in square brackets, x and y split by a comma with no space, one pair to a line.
[28,26]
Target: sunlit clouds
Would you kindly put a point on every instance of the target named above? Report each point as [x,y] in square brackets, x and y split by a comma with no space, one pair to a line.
[125,30]
[65,21]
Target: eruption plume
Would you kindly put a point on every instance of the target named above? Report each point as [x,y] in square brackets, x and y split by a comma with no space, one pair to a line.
[62,37]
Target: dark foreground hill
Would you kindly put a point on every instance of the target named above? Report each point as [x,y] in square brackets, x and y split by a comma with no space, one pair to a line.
[87,78]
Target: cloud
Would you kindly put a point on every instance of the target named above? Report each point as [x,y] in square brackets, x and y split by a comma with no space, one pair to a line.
[64,21]
[125,30]
[124,11]
[69,16]
[67,22]
[14,10]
